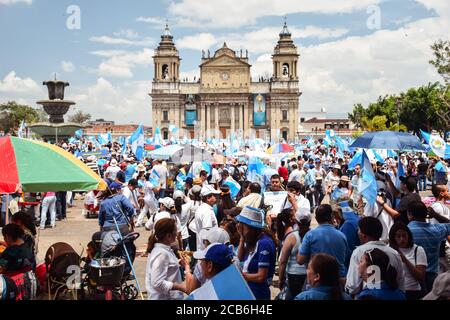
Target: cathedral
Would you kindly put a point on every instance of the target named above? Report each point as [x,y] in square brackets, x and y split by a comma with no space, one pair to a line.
[225,101]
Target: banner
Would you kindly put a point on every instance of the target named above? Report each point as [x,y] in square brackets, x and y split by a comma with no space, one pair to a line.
[276,200]
[259,110]
[190,117]
[99,154]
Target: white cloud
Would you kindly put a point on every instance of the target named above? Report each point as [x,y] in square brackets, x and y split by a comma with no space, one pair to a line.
[127,33]
[108,53]
[9,2]
[124,103]
[238,13]
[156,22]
[198,41]
[121,41]
[12,84]
[121,63]
[67,66]
[338,74]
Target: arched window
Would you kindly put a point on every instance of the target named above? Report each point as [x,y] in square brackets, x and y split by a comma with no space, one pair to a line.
[286,69]
[165,71]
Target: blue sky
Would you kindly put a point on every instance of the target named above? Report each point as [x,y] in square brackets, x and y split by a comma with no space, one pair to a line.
[108,61]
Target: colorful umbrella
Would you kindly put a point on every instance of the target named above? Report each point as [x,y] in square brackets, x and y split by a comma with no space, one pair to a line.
[280,148]
[38,167]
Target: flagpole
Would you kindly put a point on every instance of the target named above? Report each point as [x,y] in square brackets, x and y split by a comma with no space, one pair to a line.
[7,210]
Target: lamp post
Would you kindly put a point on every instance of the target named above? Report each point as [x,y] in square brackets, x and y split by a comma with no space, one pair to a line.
[398,103]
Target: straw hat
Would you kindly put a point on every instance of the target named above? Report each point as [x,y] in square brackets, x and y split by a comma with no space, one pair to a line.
[345,178]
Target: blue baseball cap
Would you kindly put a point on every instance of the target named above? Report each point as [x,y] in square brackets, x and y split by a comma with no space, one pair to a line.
[115,186]
[218,253]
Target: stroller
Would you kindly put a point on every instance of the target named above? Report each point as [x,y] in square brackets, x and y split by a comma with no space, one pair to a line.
[60,261]
[107,270]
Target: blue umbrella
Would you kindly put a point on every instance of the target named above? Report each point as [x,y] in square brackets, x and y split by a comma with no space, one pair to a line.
[388,140]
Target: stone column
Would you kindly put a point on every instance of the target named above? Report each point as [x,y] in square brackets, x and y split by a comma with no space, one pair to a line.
[241,120]
[208,118]
[233,119]
[216,120]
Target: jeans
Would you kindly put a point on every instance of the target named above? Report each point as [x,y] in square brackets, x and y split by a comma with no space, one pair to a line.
[61,204]
[295,285]
[422,182]
[49,203]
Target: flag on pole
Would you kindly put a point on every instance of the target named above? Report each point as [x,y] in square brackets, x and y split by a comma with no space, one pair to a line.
[229,284]
[154,178]
[436,143]
[22,129]
[235,187]
[137,143]
[400,173]
[79,133]
[357,159]
[367,184]
[441,167]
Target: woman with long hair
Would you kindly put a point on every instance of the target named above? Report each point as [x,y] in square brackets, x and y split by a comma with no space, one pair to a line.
[379,276]
[26,223]
[323,277]
[163,277]
[257,250]
[291,273]
[224,203]
[413,257]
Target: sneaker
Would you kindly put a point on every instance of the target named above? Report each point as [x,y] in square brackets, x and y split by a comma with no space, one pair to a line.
[41,228]
[53,226]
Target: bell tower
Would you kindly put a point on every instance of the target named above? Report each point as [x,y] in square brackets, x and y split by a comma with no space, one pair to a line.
[166,59]
[285,57]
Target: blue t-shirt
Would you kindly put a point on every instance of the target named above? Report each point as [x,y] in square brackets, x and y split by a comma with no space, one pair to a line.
[265,257]
[429,237]
[350,229]
[326,239]
[319,293]
[384,293]
[129,172]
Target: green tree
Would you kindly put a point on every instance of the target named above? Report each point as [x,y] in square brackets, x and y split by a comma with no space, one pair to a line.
[441,51]
[79,117]
[12,114]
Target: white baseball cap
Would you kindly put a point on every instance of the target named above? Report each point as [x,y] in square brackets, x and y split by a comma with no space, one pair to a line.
[207,190]
[215,235]
[178,194]
[167,202]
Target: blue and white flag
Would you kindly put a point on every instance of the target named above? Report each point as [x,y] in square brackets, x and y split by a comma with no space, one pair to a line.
[367,184]
[441,167]
[154,178]
[207,167]
[330,134]
[137,143]
[173,129]
[79,133]
[357,159]
[436,143]
[229,284]
[400,173]
[181,179]
[22,129]
[235,187]
[391,154]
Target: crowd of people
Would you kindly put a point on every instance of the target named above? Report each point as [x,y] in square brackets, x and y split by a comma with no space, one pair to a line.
[327,242]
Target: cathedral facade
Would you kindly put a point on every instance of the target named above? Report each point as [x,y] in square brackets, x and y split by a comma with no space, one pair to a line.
[224,100]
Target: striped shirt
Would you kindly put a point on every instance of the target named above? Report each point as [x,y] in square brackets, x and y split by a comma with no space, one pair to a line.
[429,237]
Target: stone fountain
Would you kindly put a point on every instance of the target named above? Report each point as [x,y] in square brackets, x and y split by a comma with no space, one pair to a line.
[56,107]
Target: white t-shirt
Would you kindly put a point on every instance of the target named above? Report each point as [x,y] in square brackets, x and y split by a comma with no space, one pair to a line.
[163,174]
[131,195]
[295,176]
[215,176]
[111,172]
[150,225]
[386,220]
[205,219]
[417,258]
[441,209]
